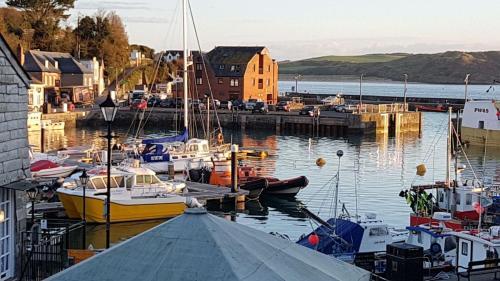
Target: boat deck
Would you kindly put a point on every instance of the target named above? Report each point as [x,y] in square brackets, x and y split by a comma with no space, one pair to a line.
[206,192]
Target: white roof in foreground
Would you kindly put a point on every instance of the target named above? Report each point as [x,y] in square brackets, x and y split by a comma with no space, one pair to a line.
[201,246]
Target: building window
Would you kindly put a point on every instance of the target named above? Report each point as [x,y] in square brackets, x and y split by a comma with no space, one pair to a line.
[199,81]
[6,234]
[481,125]
[235,83]
[220,81]
[268,82]
[269,68]
[199,66]
[235,68]
[261,83]
[253,81]
[254,67]
[221,66]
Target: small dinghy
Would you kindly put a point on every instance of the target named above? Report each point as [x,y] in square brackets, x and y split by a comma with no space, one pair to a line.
[288,187]
[49,169]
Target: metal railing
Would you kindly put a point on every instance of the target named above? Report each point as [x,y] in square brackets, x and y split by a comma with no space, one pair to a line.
[44,251]
[379,108]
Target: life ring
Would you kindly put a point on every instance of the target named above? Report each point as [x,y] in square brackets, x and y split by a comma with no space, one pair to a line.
[220,138]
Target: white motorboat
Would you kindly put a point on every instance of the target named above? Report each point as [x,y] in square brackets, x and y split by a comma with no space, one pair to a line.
[37,156]
[48,169]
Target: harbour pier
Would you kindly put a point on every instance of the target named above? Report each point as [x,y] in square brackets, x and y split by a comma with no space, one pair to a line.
[369,119]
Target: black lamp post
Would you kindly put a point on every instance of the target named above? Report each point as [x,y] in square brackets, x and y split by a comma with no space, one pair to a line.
[84,179]
[108,108]
[32,194]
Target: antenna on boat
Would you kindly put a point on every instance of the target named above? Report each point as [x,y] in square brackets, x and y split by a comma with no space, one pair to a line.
[185,63]
[340,153]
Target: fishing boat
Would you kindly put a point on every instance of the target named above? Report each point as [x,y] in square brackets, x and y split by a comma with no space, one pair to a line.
[49,169]
[481,123]
[49,125]
[476,245]
[136,194]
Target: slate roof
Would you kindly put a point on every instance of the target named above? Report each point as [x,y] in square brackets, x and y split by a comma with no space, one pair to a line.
[35,62]
[200,246]
[232,55]
[11,57]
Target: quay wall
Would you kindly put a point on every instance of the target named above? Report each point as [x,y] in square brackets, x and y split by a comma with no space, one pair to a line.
[329,123]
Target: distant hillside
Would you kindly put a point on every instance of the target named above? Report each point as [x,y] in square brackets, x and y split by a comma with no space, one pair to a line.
[448,67]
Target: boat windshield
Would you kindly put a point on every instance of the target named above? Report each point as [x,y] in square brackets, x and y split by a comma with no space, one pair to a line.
[101,182]
[146,179]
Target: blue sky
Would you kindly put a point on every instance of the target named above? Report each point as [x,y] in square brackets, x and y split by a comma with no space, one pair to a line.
[295,29]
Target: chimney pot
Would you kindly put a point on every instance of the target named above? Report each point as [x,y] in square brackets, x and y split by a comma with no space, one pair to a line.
[20,54]
[46,64]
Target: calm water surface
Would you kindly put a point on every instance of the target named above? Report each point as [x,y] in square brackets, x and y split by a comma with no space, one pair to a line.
[379,166]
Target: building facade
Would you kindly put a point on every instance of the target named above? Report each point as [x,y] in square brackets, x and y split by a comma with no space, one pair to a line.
[232,73]
[14,158]
[97,69]
[60,73]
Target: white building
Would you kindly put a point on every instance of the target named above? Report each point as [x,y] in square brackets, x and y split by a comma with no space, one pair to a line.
[98,74]
[14,157]
[35,96]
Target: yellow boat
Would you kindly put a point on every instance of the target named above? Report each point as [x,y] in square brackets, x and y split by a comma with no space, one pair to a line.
[136,194]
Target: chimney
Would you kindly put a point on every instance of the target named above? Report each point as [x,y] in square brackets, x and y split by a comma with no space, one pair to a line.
[20,54]
[46,64]
[56,64]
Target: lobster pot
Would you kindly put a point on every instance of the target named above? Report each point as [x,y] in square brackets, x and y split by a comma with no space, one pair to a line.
[404,262]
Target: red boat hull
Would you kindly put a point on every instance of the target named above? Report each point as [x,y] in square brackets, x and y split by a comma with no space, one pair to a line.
[418,220]
[467,216]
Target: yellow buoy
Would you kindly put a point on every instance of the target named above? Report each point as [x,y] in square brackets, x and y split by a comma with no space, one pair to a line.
[320,162]
[421,169]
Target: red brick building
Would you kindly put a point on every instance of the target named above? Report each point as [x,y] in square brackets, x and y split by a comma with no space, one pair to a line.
[234,73]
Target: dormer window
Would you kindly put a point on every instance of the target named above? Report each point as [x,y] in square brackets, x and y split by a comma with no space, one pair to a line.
[221,66]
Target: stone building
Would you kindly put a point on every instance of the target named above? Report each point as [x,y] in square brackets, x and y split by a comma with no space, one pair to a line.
[14,159]
[232,73]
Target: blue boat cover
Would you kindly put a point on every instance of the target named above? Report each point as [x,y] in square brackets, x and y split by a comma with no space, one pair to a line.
[182,137]
[349,231]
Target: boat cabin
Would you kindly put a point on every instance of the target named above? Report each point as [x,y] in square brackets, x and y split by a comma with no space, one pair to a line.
[481,114]
[474,246]
[376,235]
[193,148]
[461,201]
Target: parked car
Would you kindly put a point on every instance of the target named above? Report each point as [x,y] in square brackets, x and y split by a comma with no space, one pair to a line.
[226,105]
[307,110]
[197,105]
[238,105]
[154,101]
[249,105]
[283,106]
[139,104]
[167,103]
[260,107]
[342,108]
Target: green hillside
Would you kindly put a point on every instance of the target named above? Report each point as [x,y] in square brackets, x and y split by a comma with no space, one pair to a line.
[448,67]
[360,59]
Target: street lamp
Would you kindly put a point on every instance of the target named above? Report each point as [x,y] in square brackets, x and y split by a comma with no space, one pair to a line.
[404,94]
[360,92]
[108,108]
[32,194]
[297,78]
[84,179]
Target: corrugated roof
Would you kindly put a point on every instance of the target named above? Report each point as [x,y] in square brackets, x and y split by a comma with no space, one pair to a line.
[35,62]
[200,246]
[222,58]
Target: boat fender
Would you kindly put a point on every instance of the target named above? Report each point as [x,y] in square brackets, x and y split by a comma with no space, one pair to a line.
[320,162]
[220,138]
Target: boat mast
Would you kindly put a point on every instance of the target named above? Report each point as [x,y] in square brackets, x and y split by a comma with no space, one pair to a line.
[185,64]
[448,160]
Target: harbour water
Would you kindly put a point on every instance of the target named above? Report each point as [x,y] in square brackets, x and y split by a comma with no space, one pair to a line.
[374,167]
[391,89]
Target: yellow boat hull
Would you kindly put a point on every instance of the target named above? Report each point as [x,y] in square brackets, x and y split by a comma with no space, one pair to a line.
[69,206]
[480,137]
[125,212]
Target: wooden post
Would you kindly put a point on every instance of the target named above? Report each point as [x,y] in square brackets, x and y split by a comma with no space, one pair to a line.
[234,168]
[42,140]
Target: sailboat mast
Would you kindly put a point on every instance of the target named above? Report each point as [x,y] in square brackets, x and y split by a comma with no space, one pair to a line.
[448,159]
[185,64]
